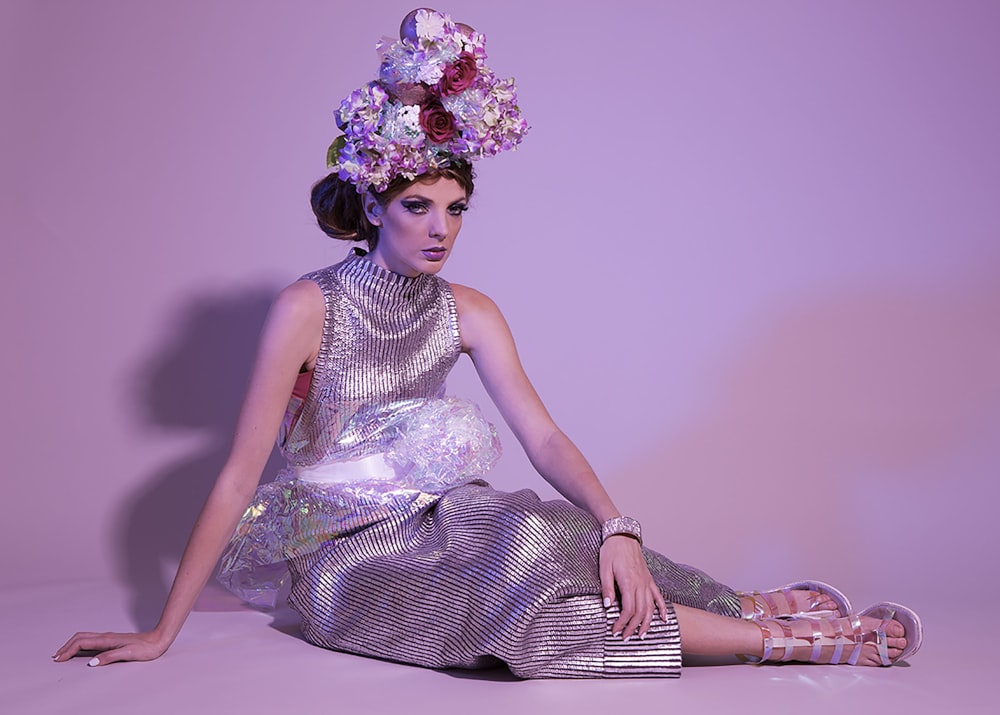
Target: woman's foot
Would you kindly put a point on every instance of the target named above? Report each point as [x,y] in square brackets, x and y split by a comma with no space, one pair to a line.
[872,638]
[803,598]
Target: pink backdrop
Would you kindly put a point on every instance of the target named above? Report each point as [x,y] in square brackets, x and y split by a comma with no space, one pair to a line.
[750,251]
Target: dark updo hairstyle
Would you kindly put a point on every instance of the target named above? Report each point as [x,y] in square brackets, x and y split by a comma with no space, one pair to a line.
[340,211]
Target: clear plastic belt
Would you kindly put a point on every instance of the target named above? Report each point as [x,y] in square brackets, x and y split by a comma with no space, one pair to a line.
[370,467]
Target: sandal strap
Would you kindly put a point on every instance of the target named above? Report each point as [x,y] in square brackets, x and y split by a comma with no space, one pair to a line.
[878,637]
[789,639]
[818,640]
[804,638]
[765,605]
[787,643]
[858,639]
[758,606]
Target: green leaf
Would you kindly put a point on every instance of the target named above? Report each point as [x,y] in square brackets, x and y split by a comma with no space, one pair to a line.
[333,153]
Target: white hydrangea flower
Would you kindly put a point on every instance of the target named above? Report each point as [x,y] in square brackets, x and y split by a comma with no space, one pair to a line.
[430,73]
[430,25]
[383,137]
[409,115]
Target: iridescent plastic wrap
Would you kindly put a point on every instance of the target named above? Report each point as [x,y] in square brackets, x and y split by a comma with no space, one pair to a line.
[386,339]
[432,444]
[395,546]
[377,388]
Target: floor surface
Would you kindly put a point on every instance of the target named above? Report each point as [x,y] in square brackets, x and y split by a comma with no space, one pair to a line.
[232,659]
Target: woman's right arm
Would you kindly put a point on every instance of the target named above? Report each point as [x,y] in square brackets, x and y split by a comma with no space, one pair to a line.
[289,342]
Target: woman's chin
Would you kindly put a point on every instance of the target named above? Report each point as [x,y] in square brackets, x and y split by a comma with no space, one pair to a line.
[433,264]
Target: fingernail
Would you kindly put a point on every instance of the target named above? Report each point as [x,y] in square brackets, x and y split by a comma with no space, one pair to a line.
[93,661]
[616,634]
[607,603]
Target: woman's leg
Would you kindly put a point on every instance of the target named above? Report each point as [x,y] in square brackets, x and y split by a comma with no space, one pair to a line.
[704,633]
[783,602]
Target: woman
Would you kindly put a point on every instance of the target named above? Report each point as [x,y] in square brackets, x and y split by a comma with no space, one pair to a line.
[395,546]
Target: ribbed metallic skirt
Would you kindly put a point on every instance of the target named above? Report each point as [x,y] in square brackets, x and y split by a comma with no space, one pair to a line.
[479,577]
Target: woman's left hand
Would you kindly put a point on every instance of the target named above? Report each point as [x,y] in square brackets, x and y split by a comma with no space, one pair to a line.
[622,563]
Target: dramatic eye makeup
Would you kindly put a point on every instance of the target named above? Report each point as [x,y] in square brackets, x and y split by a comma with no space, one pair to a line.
[414,206]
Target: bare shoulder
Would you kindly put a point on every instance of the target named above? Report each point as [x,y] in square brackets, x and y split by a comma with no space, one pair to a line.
[294,325]
[480,320]
[470,301]
[302,301]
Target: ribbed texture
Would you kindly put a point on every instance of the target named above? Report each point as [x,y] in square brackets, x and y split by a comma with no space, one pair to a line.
[468,577]
[386,338]
[477,578]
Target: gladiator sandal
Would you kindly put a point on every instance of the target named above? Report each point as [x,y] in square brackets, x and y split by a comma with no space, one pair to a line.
[804,639]
[778,603]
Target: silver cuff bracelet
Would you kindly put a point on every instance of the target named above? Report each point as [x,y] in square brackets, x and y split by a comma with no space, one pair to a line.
[625,525]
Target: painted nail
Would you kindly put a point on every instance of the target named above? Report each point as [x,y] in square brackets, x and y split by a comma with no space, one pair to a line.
[93,661]
[616,633]
[607,603]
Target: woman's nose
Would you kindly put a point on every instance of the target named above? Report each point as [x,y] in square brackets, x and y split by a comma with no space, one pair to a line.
[438,227]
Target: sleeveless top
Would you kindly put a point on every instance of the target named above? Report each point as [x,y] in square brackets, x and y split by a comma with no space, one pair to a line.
[387,340]
[376,393]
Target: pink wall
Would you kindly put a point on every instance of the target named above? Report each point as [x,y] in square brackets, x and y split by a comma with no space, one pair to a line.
[750,250]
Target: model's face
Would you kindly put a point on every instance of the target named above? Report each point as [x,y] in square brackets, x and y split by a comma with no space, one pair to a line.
[417,229]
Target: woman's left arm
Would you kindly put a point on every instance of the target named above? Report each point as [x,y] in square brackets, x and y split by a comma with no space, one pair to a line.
[488,341]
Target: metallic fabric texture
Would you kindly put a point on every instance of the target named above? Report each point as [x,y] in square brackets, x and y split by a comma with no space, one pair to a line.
[386,338]
[475,578]
[434,567]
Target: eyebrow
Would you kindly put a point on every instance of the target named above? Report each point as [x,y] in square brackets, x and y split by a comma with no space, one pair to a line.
[420,197]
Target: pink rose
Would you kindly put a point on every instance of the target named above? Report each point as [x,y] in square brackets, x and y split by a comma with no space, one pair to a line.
[458,76]
[437,122]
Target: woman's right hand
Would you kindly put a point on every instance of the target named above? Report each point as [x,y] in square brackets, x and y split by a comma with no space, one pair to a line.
[290,340]
[113,647]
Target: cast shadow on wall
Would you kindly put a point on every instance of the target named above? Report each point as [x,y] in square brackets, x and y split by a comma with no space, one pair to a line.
[192,386]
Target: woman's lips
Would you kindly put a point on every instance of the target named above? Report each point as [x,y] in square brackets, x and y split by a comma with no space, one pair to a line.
[434,254]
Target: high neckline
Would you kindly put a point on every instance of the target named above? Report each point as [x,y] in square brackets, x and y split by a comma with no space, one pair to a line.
[365,272]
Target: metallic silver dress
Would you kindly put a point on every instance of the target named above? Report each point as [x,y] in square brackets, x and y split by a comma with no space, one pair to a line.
[395,546]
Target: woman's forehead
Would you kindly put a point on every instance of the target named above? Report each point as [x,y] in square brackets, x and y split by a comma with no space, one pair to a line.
[440,188]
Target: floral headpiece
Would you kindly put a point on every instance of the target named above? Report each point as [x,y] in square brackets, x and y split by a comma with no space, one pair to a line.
[435,102]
